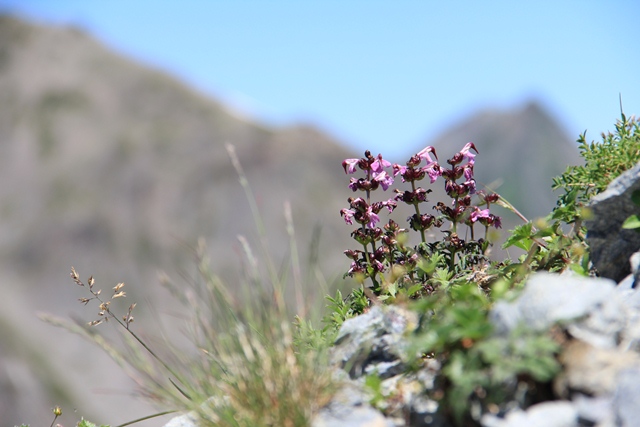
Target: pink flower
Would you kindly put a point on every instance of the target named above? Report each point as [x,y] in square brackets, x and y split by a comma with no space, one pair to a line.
[353,184]
[379,164]
[468,171]
[348,215]
[434,172]
[467,154]
[424,154]
[478,213]
[384,179]
[349,165]
[398,169]
[389,204]
[373,218]
[470,186]
[355,268]
[485,217]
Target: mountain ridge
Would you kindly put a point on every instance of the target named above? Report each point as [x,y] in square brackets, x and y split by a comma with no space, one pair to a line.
[520,149]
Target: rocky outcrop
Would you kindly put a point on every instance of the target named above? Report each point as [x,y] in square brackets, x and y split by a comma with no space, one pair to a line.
[375,344]
[600,359]
[612,246]
[601,355]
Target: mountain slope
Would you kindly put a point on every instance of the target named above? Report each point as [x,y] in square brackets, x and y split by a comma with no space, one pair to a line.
[113,167]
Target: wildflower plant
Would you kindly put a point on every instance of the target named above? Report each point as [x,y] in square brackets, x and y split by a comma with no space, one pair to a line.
[384,255]
[452,277]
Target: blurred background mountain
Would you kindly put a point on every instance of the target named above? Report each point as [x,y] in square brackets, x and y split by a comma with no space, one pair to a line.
[520,151]
[117,169]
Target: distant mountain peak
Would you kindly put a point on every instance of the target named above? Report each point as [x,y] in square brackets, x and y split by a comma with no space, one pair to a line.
[523,148]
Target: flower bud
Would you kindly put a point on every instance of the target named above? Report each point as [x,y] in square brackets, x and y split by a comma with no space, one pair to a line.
[492,198]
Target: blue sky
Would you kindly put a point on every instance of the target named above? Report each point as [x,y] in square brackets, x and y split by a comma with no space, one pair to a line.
[386,76]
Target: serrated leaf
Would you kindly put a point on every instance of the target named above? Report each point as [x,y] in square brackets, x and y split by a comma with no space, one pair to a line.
[520,237]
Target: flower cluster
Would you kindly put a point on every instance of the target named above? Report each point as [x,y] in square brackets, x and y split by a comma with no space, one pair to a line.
[384,247]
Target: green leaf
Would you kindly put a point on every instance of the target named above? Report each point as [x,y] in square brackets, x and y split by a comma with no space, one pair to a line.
[520,237]
[635,197]
[412,290]
[632,222]
[393,289]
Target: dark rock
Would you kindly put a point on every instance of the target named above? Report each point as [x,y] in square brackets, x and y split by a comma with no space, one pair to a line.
[611,245]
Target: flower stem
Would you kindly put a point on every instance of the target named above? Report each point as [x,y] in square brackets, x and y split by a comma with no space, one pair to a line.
[415,205]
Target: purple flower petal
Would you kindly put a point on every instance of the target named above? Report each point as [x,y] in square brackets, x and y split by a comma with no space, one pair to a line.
[468,171]
[424,154]
[349,165]
[478,213]
[434,173]
[379,164]
[353,184]
[373,218]
[467,154]
[348,215]
[384,179]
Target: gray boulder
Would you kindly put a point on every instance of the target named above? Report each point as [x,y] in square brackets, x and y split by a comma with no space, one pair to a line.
[548,414]
[611,246]
[374,342]
[551,298]
[626,401]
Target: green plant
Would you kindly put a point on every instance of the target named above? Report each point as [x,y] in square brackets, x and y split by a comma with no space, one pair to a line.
[478,366]
[341,309]
[604,161]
